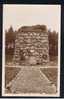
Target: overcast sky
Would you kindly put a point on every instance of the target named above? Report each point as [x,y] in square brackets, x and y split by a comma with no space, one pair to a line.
[19,15]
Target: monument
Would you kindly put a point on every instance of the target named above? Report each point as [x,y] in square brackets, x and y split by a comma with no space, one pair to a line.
[31,47]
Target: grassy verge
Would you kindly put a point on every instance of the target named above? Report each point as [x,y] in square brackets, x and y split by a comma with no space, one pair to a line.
[51,73]
[10,73]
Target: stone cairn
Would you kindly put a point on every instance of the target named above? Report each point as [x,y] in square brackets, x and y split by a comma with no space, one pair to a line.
[31,48]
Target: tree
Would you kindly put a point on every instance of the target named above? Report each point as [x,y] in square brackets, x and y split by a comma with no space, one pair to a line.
[9,42]
[53,44]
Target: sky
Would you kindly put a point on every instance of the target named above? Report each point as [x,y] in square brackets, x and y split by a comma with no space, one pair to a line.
[27,15]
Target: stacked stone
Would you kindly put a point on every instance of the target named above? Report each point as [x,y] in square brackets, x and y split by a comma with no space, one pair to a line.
[16,57]
[33,44]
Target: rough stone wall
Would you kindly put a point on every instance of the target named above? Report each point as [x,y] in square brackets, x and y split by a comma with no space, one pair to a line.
[31,48]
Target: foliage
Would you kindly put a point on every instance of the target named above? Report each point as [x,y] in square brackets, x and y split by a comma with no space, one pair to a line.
[53,44]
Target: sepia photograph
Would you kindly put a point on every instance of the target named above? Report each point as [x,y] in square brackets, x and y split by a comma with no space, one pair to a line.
[31,50]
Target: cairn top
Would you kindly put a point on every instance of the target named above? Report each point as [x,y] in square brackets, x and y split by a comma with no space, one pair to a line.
[35,28]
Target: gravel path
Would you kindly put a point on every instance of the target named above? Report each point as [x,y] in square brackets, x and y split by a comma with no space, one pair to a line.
[31,80]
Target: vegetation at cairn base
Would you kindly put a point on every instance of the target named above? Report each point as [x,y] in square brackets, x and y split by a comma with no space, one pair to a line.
[11,34]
